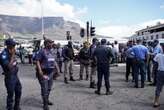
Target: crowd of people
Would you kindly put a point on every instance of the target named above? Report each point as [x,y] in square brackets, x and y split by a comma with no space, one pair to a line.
[147,60]
[53,61]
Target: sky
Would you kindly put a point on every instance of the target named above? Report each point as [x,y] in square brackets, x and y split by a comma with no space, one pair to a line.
[115,18]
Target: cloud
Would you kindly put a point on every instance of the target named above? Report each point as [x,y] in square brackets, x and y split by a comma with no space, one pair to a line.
[120,31]
[33,8]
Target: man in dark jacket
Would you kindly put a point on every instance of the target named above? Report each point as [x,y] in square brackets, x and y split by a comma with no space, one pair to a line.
[103,54]
[68,55]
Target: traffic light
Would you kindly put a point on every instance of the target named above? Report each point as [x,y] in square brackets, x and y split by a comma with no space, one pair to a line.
[92,31]
[68,36]
[82,32]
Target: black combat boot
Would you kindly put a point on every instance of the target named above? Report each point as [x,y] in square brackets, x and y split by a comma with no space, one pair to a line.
[92,85]
[65,81]
[87,77]
[81,77]
[72,79]
[17,104]
[50,103]
[97,92]
[45,103]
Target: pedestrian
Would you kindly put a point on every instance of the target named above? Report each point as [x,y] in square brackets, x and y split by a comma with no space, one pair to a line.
[59,57]
[46,63]
[22,52]
[150,60]
[129,61]
[30,56]
[84,60]
[159,58]
[10,70]
[141,55]
[93,63]
[103,54]
[68,55]
[157,49]
[55,53]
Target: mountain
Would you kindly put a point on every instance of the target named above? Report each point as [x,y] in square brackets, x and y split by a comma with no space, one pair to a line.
[30,27]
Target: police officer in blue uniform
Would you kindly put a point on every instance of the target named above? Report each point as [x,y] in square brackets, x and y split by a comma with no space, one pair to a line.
[10,70]
[46,64]
[102,55]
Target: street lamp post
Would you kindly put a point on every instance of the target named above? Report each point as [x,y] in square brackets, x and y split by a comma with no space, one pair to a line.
[42,17]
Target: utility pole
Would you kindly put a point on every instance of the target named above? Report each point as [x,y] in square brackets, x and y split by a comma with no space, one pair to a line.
[88,31]
[42,17]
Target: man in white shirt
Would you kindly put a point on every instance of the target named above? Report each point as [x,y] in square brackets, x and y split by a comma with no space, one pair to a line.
[159,58]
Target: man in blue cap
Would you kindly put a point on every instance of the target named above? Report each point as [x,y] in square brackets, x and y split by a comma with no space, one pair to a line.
[10,70]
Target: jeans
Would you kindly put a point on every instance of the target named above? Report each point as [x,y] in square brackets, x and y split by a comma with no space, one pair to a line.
[160,82]
[155,68]
[129,66]
[139,68]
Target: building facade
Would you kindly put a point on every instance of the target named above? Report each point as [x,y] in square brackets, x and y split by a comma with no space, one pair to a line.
[149,33]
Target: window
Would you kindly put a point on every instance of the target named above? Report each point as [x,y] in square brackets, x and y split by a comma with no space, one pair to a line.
[152,37]
[163,36]
[157,36]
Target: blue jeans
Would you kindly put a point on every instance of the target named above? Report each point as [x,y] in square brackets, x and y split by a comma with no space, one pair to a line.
[160,82]
[13,85]
[139,68]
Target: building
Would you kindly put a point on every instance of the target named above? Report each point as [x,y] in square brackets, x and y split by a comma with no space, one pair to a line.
[150,33]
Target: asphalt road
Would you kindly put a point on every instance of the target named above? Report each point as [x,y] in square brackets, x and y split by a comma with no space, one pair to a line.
[78,96]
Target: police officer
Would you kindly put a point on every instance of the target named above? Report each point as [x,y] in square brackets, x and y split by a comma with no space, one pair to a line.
[46,65]
[84,60]
[157,49]
[10,70]
[103,54]
[141,56]
[68,55]
[93,63]
[129,61]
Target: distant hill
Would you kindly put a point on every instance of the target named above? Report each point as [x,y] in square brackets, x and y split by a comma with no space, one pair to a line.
[55,27]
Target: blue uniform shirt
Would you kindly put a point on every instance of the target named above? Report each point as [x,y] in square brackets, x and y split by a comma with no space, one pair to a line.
[46,58]
[5,60]
[130,54]
[157,50]
[140,52]
[103,54]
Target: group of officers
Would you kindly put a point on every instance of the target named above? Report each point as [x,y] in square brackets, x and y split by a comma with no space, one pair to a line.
[140,61]
[97,56]
[146,59]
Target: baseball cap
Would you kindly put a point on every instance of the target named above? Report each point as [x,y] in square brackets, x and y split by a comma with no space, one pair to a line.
[10,42]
